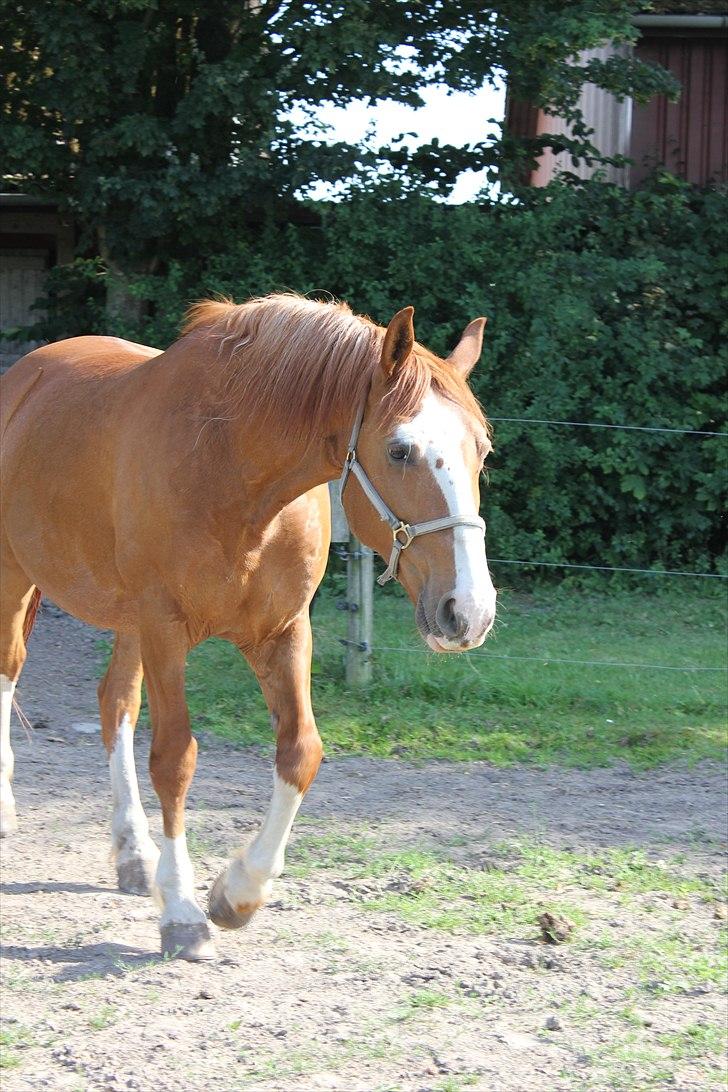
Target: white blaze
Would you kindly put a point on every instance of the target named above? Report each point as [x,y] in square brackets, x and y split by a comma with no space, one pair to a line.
[250,876]
[436,432]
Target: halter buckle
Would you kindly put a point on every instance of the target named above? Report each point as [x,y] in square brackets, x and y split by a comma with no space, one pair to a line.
[403,529]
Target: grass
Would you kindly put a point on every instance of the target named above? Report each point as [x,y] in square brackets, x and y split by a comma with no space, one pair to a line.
[422,1002]
[477,706]
[670,962]
[13,1037]
[523,879]
[106,1017]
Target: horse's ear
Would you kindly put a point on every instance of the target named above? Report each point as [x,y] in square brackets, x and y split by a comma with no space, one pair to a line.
[466,353]
[399,342]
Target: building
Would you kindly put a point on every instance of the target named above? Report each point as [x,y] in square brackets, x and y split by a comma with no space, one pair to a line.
[33,238]
[688,137]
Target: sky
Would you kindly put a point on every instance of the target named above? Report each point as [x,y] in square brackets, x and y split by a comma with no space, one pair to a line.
[454,117]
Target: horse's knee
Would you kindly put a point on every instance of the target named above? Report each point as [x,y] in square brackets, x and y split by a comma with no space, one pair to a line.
[298,755]
[172,767]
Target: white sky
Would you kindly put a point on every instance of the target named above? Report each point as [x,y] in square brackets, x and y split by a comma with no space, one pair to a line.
[456,118]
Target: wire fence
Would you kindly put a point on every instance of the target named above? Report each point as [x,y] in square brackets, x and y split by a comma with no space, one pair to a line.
[545,660]
[605,568]
[602,424]
[540,563]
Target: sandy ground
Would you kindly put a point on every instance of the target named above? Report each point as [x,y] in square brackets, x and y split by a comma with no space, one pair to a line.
[318,992]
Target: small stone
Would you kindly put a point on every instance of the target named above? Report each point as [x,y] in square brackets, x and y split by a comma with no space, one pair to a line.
[553,1024]
[204,995]
[681,904]
[554,929]
[720,912]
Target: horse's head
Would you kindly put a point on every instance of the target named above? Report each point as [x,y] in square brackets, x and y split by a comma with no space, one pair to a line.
[418,456]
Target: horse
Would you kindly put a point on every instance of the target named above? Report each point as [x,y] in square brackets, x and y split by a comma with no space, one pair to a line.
[173,496]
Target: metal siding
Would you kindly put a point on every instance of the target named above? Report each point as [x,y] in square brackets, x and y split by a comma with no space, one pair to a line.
[690,136]
[610,120]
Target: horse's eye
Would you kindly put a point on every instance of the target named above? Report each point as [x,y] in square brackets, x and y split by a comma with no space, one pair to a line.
[399,453]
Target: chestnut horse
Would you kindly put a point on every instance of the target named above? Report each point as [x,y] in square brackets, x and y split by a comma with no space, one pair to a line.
[172,496]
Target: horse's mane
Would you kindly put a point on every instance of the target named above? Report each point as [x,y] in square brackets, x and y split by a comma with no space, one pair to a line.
[303,363]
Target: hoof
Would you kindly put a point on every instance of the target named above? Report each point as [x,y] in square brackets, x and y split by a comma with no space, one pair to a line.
[136,876]
[191,942]
[222,913]
[8,820]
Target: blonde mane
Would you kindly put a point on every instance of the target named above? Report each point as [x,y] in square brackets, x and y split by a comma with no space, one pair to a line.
[302,363]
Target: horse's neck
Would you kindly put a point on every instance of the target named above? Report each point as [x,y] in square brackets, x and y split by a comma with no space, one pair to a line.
[235,457]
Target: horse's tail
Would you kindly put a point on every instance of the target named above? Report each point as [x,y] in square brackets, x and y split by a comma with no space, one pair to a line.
[31,613]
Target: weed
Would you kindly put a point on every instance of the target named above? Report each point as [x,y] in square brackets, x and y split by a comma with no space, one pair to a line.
[14,1037]
[421,1002]
[695,1041]
[106,1017]
[456,1084]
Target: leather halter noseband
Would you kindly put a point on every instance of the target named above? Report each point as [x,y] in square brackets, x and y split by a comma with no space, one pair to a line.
[403,534]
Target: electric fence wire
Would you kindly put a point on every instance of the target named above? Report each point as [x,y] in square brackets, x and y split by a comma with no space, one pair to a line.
[602,424]
[558,660]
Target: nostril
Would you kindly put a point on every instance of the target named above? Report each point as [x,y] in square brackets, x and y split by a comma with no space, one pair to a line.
[452,624]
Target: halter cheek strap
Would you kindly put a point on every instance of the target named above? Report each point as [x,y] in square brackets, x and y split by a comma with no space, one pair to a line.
[403,534]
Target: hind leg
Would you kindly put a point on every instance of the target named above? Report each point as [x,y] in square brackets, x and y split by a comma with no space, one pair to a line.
[133,851]
[16,597]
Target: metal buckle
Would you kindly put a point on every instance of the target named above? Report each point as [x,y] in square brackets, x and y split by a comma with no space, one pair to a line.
[406,530]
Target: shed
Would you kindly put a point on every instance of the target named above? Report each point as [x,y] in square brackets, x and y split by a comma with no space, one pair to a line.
[689,137]
[33,238]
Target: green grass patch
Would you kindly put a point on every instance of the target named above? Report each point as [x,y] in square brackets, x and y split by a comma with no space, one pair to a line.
[428,890]
[106,1017]
[522,879]
[615,869]
[12,1038]
[479,706]
[696,1041]
[668,963]
[422,1002]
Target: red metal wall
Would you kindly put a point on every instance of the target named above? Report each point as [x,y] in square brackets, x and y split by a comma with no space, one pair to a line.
[690,136]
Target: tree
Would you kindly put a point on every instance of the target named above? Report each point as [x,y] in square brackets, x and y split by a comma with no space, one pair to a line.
[162,125]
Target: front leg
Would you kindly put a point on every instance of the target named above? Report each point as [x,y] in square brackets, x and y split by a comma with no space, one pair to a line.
[183,924]
[283,668]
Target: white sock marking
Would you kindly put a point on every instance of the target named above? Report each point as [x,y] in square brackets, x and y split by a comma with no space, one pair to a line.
[250,876]
[7,760]
[129,827]
[175,884]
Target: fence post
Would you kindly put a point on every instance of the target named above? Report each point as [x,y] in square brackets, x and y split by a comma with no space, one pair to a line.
[360,602]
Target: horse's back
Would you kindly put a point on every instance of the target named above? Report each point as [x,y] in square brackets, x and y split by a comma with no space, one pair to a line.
[54,373]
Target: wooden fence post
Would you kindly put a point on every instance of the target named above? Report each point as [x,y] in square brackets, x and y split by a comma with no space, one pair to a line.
[360,612]
[359,603]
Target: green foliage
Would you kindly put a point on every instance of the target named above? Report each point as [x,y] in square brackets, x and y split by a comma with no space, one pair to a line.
[603,305]
[164,127]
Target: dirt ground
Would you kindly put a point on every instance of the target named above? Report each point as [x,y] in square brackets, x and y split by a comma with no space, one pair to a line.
[321,992]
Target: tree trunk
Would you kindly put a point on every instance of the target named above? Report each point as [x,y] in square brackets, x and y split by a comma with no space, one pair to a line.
[122,306]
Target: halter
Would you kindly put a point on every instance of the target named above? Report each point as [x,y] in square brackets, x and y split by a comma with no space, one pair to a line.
[403,534]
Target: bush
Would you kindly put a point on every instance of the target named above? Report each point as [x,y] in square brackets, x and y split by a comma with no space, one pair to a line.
[603,305]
